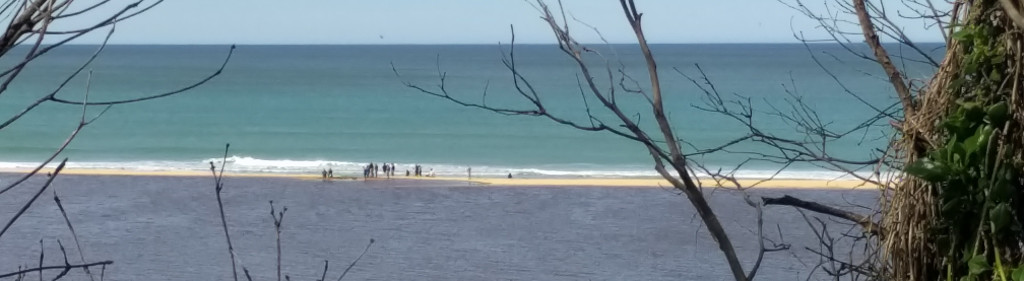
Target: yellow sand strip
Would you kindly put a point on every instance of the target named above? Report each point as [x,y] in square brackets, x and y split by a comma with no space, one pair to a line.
[621,182]
[658,182]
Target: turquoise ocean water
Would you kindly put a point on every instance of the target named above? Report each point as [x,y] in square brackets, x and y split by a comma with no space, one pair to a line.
[288,109]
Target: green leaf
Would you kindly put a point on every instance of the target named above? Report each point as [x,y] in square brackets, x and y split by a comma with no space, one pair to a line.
[964,34]
[997,113]
[941,154]
[995,75]
[957,153]
[1001,216]
[952,206]
[1018,274]
[973,112]
[928,170]
[998,59]
[978,142]
[1001,191]
[956,83]
[978,265]
[970,66]
[958,127]
[971,144]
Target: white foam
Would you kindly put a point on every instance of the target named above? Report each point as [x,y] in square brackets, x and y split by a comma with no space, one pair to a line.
[247,164]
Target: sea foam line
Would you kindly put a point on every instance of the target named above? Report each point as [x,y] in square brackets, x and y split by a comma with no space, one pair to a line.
[246,164]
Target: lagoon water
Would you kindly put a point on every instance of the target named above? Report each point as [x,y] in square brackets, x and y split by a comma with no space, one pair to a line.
[299,109]
[167,228]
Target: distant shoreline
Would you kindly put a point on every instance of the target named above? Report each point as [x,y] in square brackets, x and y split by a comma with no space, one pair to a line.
[495,181]
[468,44]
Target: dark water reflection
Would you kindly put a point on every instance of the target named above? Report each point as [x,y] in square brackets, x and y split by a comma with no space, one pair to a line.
[167,228]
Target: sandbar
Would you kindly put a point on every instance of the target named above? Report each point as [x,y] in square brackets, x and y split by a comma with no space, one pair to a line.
[500,181]
[657,182]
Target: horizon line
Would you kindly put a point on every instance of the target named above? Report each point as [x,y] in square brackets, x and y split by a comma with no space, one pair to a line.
[462,44]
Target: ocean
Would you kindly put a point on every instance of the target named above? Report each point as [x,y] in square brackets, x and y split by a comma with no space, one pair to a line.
[301,109]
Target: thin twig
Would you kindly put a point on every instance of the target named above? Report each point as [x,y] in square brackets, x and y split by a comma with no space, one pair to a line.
[219,185]
[61,267]
[353,264]
[36,196]
[323,276]
[278,219]
[63,213]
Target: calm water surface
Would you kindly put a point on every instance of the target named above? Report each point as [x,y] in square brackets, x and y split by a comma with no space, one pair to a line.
[167,228]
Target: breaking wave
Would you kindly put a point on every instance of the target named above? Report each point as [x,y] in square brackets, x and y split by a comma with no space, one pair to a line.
[246,164]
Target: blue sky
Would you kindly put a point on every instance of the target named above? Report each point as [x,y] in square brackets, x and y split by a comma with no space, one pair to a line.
[457,22]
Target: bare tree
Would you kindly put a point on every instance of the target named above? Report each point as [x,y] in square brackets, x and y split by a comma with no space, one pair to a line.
[950,178]
[278,218]
[935,227]
[811,143]
[30,33]
[663,144]
[30,29]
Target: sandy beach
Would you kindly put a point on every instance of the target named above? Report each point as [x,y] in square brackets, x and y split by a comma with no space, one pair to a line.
[616,182]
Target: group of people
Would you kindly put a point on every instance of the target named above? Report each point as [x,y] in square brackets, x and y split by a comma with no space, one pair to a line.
[418,171]
[372,170]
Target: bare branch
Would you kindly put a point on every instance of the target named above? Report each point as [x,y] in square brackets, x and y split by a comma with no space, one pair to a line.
[219,185]
[61,267]
[866,223]
[28,204]
[895,76]
[63,213]
[1013,12]
[161,95]
[353,264]
[323,275]
[760,239]
[278,219]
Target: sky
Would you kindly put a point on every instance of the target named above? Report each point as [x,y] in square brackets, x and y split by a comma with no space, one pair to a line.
[454,22]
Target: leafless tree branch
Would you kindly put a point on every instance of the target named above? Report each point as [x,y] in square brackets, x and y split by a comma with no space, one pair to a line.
[78,245]
[353,264]
[219,186]
[865,222]
[54,267]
